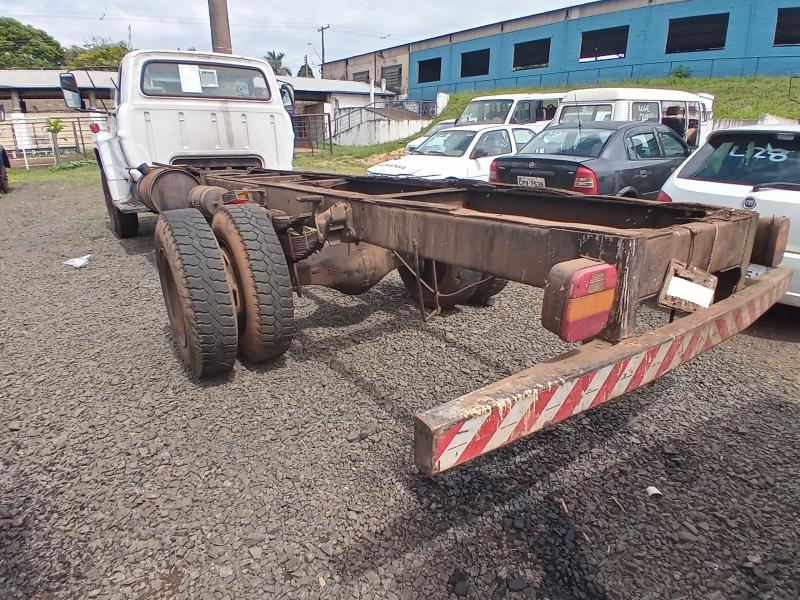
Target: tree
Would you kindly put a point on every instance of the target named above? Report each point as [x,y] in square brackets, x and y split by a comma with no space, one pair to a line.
[305,70]
[275,60]
[54,127]
[97,52]
[22,46]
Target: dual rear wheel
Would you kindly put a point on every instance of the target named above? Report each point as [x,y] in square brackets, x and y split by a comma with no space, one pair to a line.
[226,287]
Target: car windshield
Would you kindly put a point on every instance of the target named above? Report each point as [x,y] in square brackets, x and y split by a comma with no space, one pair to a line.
[450,142]
[438,127]
[572,142]
[747,158]
[585,112]
[480,112]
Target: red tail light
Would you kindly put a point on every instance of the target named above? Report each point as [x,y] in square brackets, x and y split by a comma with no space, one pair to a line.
[94,127]
[663,197]
[585,181]
[493,172]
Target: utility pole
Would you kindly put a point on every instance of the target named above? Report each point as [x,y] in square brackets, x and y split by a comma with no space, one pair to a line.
[322,66]
[220,27]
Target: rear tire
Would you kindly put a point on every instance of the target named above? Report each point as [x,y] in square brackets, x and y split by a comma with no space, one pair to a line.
[124,225]
[196,291]
[488,289]
[266,307]
[452,282]
[5,187]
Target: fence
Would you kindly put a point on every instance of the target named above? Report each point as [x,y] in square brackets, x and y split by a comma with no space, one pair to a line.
[25,138]
[312,131]
[348,118]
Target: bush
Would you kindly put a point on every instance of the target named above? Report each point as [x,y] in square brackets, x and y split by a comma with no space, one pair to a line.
[68,166]
[681,72]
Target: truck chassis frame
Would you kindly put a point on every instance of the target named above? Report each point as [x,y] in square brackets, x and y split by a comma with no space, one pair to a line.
[349,232]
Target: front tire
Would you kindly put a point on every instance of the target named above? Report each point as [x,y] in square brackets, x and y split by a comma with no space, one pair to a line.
[196,291]
[266,307]
[124,225]
[5,187]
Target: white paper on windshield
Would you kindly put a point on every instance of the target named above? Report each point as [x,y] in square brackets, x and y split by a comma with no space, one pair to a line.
[190,79]
[691,292]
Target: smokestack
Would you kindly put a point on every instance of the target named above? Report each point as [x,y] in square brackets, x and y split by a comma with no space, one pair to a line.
[220,27]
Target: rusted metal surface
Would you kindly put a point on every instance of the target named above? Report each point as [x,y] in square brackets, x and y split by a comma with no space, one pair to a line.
[349,268]
[520,405]
[519,234]
[166,188]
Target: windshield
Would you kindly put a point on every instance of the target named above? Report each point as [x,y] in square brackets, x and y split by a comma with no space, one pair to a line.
[450,142]
[480,112]
[203,80]
[747,159]
[572,142]
[586,113]
[438,127]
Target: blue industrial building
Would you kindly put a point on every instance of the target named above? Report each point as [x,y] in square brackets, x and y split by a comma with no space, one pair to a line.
[606,40]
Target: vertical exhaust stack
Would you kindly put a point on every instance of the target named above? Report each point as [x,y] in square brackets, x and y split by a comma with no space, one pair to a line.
[220,27]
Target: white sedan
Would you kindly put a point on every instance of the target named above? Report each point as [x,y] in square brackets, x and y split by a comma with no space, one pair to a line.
[459,152]
[415,143]
[753,168]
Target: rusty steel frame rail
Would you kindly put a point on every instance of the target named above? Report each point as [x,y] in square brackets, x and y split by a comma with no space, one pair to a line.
[519,234]
[522,404]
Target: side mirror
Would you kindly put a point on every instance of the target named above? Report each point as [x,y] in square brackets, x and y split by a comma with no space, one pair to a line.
[287,96]
[71,91]
[479,153]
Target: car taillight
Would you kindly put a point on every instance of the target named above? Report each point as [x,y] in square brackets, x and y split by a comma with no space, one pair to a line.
[578,298]
[493,172]
[94,127]
[585,181]
[663,197]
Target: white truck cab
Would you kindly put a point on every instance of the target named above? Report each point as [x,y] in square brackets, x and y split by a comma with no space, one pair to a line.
[201,109]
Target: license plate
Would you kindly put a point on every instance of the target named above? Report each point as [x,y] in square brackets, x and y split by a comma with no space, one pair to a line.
[536,182]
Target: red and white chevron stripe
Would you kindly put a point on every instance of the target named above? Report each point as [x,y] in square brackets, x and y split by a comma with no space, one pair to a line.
[497,415]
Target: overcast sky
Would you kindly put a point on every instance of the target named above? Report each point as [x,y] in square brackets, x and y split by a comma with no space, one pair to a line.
[257,26]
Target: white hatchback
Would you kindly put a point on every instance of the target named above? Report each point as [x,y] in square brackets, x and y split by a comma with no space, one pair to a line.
[459,152]
[753,168]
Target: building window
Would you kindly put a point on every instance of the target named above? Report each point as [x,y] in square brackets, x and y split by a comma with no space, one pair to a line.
[429,70]
[475,63]
[361,76]
[604,44]
[531,55]
[787,30]
[696,34]
[393,77]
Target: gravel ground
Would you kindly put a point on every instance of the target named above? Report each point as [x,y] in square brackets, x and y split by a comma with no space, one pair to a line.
[122,478]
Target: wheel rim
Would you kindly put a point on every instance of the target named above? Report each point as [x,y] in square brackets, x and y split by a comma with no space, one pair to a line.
[233,280]
[177,319]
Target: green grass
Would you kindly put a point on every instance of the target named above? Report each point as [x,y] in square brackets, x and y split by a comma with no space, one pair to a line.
[83,175]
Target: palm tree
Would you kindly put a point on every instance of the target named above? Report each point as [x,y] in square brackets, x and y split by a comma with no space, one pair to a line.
[54,127]
[275,60]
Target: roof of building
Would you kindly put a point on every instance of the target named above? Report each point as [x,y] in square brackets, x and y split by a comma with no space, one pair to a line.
[333,86]
[48,79]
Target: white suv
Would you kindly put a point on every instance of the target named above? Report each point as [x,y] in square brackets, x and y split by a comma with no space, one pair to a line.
[755,168]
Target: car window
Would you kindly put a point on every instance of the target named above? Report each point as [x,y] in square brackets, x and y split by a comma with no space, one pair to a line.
[643,146]
[494,143]
[674,116]
[522,114]
[199,80]
[523,136]
[480,112]
[645,111]
[671,145]
[747,158]
[450,142]
[578,141]
[586,112]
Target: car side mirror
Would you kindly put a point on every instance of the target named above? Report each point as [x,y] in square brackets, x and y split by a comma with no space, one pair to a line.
[287,97]
[71,91]
[479,153]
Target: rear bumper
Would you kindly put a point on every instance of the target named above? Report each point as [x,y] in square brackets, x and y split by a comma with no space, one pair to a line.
[522,404]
